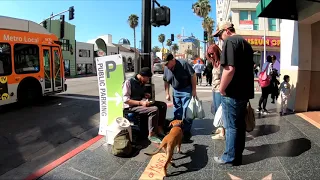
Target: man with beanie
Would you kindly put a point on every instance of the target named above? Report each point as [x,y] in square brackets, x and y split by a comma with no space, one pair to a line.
[136,100]
[181,76]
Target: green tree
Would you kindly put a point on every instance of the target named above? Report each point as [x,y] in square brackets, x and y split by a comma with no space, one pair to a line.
[133,22]
[155,49]
[169,43]
[189,52]
[161,39]
[175,48]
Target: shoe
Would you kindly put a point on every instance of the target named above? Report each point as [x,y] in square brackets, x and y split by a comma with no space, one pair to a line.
[154,139]
[259,110]
[272,102]
[219,161]
[218,137]
[265,112]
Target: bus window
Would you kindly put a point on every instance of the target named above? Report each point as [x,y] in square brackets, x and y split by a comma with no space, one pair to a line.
[26,58]
[5,59]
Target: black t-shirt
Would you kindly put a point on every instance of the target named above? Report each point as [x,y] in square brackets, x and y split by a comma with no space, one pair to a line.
[237,52]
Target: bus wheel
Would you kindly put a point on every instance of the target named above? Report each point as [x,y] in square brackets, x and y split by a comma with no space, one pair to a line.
[29,93]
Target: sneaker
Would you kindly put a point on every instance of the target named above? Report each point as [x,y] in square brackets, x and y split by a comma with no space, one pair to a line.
[154,139]
[218,137]
[259,110]
[265,112]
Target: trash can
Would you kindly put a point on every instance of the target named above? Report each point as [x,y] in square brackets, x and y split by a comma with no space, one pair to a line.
[119,124]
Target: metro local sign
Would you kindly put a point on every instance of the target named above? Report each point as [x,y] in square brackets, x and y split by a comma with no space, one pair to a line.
[258,41]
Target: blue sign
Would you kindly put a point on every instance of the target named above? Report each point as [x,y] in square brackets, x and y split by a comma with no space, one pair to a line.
[189,40]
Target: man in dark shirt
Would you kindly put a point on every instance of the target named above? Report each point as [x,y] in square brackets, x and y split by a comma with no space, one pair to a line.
[181,76]
[236,88]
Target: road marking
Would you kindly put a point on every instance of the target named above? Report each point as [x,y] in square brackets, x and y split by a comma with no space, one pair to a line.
[78,97]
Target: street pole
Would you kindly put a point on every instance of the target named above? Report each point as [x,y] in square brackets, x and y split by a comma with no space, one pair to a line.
[264,40]
[50,21]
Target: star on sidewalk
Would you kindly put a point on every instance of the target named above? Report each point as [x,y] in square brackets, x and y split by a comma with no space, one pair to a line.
[233,177]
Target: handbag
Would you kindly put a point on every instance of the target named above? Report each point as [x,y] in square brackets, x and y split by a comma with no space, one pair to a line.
[264,79]
[250,118]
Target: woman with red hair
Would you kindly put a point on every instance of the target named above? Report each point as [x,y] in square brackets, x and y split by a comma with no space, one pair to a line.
[213,55]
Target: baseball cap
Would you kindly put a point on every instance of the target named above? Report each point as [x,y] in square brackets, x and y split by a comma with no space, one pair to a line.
[145,71]
[222,26]
[167,57]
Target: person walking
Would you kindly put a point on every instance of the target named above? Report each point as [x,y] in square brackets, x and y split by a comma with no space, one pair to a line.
[208,73]
[198,68]
[236,88]
[182,77]
[267,67]
[213,55]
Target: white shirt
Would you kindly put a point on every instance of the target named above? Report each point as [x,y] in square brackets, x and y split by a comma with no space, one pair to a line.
[284,88]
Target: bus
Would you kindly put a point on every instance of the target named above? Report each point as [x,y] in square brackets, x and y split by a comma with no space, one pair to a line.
[31,63]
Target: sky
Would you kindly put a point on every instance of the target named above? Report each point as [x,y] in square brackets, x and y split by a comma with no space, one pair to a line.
[100,17]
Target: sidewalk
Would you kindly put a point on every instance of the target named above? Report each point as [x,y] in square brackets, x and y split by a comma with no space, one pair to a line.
[279,148]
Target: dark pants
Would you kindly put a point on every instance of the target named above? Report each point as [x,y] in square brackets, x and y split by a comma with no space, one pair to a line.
[156,114]
[234,122]
[181,100]
[264,97]
[199,78]
[209,78]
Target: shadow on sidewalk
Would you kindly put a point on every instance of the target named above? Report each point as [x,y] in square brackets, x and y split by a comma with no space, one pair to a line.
[290,148]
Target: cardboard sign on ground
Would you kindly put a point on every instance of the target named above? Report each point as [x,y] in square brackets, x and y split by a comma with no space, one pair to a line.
[154,170]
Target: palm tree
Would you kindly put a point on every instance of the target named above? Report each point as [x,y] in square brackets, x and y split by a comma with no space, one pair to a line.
[169,43]
[155,49]
[161,39]
[189,52]
[175,48]
[133,21]
[202,8]
[207,25]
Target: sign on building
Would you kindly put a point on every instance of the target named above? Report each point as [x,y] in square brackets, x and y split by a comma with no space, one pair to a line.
[246,25]
[110,76]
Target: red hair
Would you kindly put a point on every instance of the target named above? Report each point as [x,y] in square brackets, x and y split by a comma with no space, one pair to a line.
[213,55]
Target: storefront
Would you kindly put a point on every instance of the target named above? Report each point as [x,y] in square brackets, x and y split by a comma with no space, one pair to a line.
[300,34]
[272,48]
[84,58]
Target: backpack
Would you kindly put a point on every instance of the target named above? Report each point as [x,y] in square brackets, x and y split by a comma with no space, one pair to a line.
[250,118]
[122,146]
[264,79]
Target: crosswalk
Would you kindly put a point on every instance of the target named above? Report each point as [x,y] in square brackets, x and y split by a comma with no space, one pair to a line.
[205,89]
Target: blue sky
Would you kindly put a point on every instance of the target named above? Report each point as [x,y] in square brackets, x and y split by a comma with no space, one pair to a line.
[99,17]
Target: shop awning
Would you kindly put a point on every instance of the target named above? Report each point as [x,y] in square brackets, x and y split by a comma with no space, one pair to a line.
[280,9]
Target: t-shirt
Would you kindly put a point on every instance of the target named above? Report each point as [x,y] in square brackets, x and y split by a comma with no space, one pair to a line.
[237,52]
[180,76]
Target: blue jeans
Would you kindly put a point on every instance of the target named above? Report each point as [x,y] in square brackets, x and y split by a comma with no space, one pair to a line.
[216,100]
[181,99]
[234,122]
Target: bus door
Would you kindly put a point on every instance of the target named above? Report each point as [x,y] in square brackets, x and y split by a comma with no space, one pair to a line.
[57,71]
[47,63]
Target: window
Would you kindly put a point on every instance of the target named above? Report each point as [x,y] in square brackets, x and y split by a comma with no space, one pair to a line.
[244,15]
[272,24]
[65,46]
[5,59]
[56,58]
[84,53]
[26,58]
[255,20]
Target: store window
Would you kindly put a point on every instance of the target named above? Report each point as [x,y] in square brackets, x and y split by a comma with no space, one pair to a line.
[84,53]
[65,46]
[67,67]
[255,20]
[5,59]
[26,58]
[244,15]
[272,24]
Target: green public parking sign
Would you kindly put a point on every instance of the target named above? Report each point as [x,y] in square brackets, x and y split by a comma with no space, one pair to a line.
[110,75]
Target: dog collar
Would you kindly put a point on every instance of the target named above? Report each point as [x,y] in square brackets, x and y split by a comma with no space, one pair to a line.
[177,125]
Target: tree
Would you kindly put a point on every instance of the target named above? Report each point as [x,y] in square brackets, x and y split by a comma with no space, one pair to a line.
[175,48]
[161,39]
[133,22]
[189,52]
[169,43]
[155,49]
[202,8]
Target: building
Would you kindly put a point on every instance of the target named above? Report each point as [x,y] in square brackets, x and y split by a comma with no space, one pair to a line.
[85,58]
[127,53]
[189,44]
[219,10]
[68,44]
[242,13]
[300,34]
[103,46]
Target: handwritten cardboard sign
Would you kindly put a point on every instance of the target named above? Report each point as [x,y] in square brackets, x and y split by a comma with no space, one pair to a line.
[154,170]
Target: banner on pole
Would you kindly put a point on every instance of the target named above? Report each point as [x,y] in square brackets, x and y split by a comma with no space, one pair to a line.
[110,74]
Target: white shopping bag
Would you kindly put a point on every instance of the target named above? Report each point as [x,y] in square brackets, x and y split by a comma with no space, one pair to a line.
[218,121]
[199,109]
[190,112]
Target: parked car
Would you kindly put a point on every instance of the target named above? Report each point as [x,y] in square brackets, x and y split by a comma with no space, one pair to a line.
[158,67]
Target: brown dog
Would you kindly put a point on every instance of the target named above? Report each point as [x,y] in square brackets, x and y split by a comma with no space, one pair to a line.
[170,141]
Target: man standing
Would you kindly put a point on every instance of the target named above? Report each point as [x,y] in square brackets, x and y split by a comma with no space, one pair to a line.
[136,100]
[236,88]
[198,68]
[182,77]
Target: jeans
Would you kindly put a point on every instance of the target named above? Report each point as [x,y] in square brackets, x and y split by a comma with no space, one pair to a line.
[234,122]
[181,100]
[216,100]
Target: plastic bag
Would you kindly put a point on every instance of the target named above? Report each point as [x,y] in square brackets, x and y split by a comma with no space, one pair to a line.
[218,121]
[190,112]
[199,109]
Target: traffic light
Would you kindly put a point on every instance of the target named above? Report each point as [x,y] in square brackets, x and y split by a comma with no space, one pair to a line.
[205,36]
[172,37]
[160,16]
[44,24]
[62,26]
[71,13]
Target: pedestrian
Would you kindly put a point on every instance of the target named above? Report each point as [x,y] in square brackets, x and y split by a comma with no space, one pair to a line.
[198,68]
[285,92]
[267,67]
[213,54]
[208,73]
[274,82]
[181,76]
[236,88]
